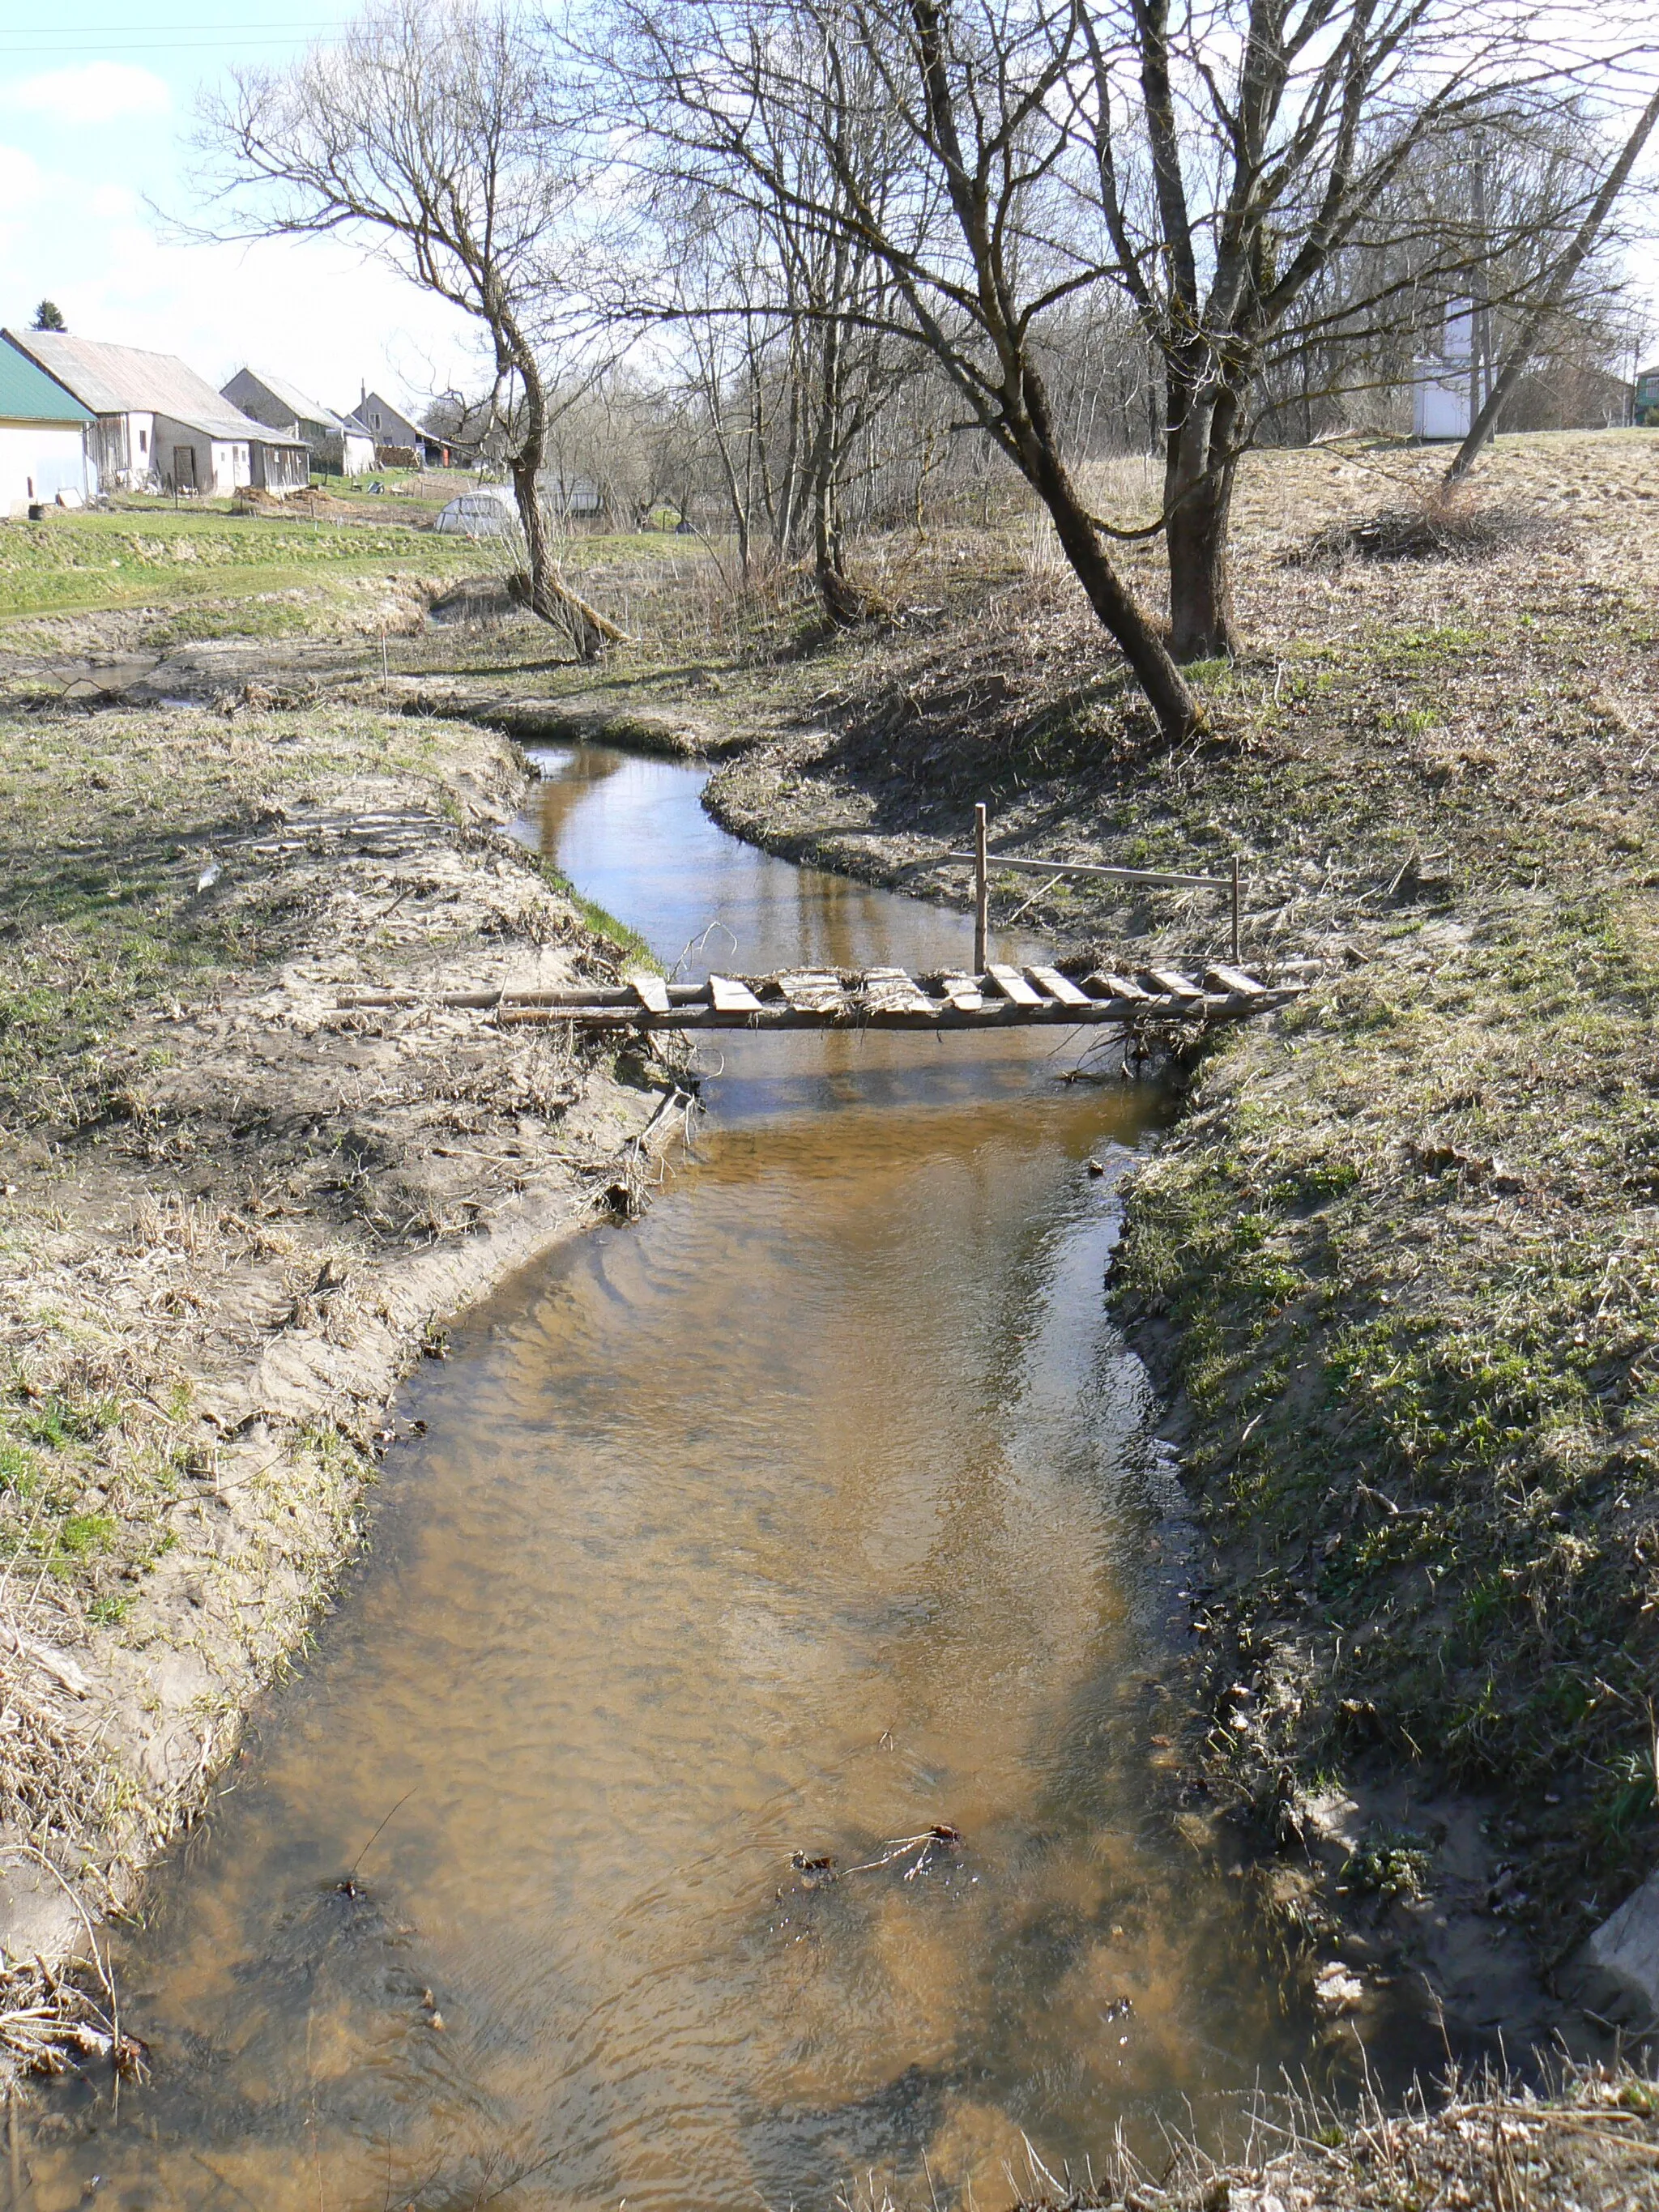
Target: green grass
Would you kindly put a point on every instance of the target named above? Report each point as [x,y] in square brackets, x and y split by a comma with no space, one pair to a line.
[84,561]
[598,919]
[1410,1264]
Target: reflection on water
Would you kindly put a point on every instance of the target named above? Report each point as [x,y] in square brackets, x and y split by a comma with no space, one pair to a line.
[814,1510]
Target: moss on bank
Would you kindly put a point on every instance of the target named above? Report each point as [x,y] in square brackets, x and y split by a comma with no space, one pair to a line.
[1407,1250]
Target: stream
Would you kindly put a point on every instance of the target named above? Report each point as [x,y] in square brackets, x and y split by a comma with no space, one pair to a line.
[819,1509]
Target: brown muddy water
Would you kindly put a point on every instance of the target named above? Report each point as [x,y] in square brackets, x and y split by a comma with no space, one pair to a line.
[819,1508]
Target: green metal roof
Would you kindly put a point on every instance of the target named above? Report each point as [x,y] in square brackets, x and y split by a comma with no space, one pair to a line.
[28,394]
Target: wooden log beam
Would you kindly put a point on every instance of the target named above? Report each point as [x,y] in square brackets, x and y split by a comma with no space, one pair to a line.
[991,1014]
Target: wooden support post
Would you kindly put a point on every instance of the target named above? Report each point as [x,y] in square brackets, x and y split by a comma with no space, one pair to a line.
[981,890]
[1235,909]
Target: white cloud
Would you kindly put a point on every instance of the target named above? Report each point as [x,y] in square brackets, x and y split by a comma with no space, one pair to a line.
[112,204]
[97,92]
[21,179]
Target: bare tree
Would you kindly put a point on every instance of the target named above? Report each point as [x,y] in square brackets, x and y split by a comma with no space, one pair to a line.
[1554,291]
[1204,160]
[431,130]
[810,296]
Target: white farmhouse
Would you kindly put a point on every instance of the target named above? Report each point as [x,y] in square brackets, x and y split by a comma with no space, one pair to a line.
[159,426]
[42,438]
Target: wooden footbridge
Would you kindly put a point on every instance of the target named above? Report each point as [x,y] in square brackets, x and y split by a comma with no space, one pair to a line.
[1000,997]
[993,996]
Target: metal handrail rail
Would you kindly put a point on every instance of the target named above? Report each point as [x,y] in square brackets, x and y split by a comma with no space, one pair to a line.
[995,860]
[983,860]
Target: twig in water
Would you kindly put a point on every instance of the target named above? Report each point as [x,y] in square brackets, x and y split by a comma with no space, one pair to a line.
[939,1837]
[348,1887]
[697,944]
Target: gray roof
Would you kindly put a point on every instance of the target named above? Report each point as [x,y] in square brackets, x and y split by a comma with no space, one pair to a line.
[114,380]
[289,395]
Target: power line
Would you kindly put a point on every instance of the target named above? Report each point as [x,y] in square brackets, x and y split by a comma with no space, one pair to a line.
[163,38]
[159,47]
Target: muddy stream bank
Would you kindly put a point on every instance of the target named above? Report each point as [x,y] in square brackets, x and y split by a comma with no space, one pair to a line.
[822,1508]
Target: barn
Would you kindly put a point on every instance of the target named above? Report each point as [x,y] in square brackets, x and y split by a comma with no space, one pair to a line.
[42,437]
[334,445]
[399,441]
[159,426]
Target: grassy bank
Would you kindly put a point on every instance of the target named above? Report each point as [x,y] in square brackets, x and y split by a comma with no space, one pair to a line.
[89,561]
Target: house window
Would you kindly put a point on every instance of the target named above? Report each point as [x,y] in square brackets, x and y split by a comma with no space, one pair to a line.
[375,420]
[143,441]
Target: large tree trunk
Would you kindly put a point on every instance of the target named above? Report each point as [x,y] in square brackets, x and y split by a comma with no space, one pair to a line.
[842,601]
[1197,537]
[1198,498]
[1173,700]
[548,595]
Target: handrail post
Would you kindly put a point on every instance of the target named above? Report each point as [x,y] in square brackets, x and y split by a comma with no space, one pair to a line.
[1235,909]
[981,889]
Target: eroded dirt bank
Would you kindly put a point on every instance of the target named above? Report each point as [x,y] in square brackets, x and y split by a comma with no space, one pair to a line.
[232,1214]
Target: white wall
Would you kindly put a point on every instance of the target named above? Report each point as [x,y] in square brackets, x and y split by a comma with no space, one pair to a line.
[233,465]
[1440,406]
[37,461]
[221,466]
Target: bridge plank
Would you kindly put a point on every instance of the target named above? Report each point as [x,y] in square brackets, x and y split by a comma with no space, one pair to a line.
[1235,981]
[962,991]
[1013,985]
[651,991]
[1170,985]
[729,996]
[1116,986]
[1057,985]
[813,991]
[890,991]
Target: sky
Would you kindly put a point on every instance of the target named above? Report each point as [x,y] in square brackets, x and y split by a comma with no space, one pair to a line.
[96,97]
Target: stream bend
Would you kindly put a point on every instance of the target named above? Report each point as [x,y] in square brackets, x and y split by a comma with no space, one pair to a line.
[817,1510]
